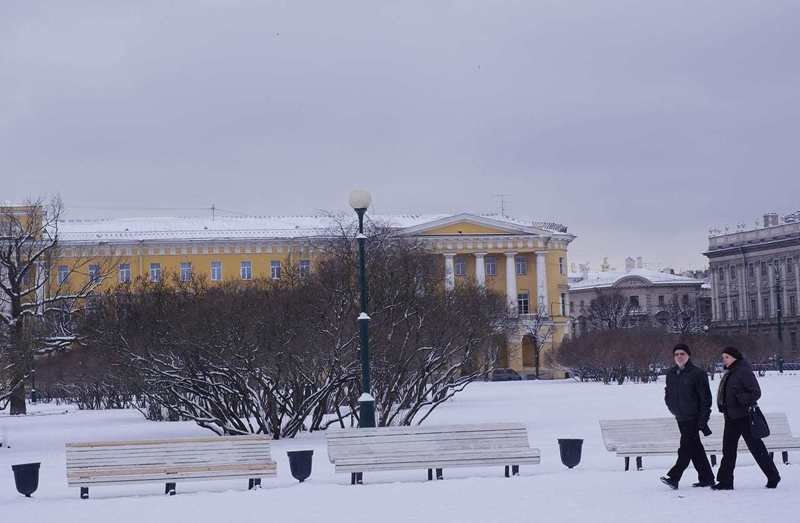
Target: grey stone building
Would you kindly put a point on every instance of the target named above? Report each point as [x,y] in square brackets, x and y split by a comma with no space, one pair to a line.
[676,302]
[756,282]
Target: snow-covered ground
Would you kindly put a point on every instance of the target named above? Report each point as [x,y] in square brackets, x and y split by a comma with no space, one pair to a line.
[598,490]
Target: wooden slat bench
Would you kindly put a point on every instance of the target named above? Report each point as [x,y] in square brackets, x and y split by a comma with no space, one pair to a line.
[661,437]
[168,460]
[429,447]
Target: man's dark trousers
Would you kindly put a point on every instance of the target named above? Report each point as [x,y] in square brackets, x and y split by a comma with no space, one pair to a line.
[734,429]
[691,449]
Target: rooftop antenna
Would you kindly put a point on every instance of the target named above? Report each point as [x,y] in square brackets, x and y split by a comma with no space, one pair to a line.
[502,198]
[213,209]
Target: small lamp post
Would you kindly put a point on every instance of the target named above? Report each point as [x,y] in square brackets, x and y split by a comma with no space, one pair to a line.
[34,392]
[359,201]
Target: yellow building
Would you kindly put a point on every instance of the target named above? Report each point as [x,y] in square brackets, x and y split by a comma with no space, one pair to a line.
[525,261]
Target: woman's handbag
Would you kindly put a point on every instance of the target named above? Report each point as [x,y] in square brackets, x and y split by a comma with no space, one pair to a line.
[758,423]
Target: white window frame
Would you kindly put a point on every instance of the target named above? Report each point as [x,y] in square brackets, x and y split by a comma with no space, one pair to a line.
[246,270]
[460,267]
[561,266]
[524,302]
[275,269]
[305,267]
[521,265]
[63,274]
[124,270]
[94,273]
[186,271]
[490,265]
[216,270]
[155,272]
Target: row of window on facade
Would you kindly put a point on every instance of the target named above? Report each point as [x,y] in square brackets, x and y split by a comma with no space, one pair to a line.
[490,266]
[766,310]
[633,302]
[524,303]
[186,272]
[751,269]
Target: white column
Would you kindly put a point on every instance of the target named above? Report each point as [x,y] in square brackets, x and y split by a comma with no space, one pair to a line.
[511,282]
[772,297]
[480,269]
[743,312]
[728,291]
[785,287]
[449,271]
[715,294]
[759,301]
[541,282]
[797,280]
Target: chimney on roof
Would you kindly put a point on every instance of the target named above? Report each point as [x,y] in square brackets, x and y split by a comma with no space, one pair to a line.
[639,263]
[770,219]
[630,264]
[584,268]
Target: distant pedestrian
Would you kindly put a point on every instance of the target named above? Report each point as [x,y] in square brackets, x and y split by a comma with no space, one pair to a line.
[738,391]
[688,398]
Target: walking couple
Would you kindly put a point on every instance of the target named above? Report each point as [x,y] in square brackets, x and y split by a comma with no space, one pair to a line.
[688,397]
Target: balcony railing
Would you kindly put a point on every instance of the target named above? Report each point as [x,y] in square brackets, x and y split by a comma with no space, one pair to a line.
[755,236]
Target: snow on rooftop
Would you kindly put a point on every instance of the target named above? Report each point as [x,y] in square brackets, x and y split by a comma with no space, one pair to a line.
[610,278]
[239,227]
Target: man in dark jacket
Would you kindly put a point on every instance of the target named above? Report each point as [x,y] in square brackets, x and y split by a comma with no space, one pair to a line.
[688,398]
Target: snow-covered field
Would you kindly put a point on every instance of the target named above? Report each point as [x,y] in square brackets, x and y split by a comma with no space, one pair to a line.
[598,490]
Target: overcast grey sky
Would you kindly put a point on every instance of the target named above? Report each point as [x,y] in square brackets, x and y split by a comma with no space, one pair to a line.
[637,124]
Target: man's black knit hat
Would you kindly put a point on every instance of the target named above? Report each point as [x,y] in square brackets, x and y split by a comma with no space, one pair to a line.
[683,347]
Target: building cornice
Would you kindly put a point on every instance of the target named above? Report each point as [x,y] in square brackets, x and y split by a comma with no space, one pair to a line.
[752,248]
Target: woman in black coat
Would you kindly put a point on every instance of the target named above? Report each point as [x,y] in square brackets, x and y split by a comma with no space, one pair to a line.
[738,391]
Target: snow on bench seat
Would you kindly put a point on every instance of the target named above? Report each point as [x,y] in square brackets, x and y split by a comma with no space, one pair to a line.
[429,447]
[661,437]
[168,460]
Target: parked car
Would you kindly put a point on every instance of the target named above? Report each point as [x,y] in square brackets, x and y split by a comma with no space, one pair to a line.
[505,375]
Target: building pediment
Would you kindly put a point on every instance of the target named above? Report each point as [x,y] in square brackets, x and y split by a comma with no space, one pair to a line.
[470,224]
[632,281]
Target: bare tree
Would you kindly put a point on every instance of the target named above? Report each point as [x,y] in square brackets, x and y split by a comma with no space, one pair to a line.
[680,318]
[426,343]
[611,310]
[539,328]
[617,354]
[37,300]
[280,357]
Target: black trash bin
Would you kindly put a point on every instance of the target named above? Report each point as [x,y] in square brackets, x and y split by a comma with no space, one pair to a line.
[300,463]
[26,477]
[570,451]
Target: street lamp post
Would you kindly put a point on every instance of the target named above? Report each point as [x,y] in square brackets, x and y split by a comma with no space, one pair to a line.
[359,201]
